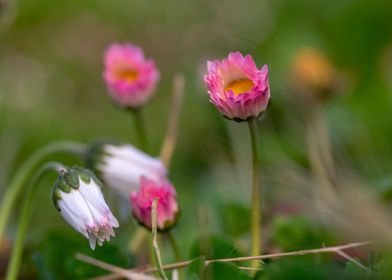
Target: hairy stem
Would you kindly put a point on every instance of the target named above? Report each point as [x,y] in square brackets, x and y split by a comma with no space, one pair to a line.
[154,229]
[141,133]
[118,271]
[25,171]
[141,235]
[332,249]
[17,249]
[256,191]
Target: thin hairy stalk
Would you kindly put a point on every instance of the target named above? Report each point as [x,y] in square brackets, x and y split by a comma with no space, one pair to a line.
[118,271]
[332,249]
[154,230]
[256,192]
[141,133]
[25,171]
[351,259]
[170,141]
[17,249]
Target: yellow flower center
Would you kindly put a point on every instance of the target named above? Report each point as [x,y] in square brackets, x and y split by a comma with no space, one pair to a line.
[240,86]
[127,74]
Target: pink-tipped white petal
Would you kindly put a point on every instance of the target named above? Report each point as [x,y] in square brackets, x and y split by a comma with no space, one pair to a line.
[84,208]
[92,241]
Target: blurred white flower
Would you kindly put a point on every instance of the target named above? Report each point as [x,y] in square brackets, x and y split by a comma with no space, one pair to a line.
[121,166]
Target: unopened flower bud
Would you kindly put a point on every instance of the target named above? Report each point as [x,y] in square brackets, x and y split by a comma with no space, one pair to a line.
[78,197]
[120,166]
[167,207]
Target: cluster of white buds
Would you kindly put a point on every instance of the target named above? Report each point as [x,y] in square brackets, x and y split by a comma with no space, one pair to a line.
[77,195]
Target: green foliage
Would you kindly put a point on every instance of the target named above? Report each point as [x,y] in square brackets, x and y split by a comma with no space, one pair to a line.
[296,233]
[51,88]
[293,269]
[55,257]
[353,271]
[224,271]
[196,269]
[234,219]
[384,188]
[213,247]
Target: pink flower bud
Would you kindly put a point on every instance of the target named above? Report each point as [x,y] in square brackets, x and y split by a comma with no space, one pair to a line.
[236,87]
[129,77]
[167,208]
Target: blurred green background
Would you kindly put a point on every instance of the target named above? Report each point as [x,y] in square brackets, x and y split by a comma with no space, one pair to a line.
[51,88]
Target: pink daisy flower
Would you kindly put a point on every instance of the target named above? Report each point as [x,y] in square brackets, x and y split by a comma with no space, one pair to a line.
[130,77]
[237,88]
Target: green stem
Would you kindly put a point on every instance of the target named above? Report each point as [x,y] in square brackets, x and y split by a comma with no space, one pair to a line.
[154,230]
[174,246]
[17,249]
[176,252]
[140,130]
[25,171]
[256,191]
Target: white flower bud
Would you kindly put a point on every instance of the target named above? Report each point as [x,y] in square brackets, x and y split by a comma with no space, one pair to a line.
[78,197]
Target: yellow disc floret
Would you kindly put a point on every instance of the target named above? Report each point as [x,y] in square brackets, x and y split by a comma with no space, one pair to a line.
[240,86]
[127,74]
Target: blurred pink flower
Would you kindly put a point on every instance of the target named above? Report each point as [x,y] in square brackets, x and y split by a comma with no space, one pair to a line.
[236,87]
[167,208]
[130,78]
